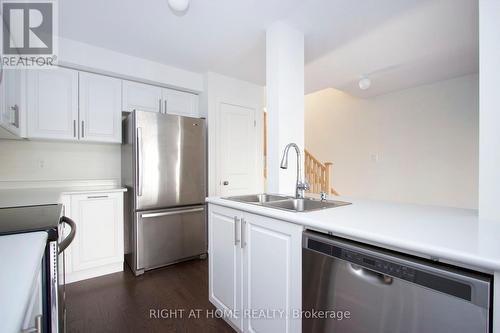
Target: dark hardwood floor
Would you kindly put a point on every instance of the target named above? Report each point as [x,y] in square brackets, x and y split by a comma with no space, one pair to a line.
[121,302]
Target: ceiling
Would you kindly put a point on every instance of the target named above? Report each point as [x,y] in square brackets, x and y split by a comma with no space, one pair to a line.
[397,43]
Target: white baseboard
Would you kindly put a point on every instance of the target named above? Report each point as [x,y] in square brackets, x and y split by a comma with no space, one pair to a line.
[94,272]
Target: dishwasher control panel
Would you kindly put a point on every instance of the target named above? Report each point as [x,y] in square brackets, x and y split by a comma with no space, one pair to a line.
[379,265]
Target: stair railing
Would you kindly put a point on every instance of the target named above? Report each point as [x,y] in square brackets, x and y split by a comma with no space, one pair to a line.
[318,174]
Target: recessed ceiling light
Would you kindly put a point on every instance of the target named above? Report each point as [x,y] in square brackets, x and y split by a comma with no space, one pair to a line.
[364,83]
[179,7]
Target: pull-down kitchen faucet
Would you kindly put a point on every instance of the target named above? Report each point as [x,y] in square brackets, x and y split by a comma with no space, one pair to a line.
[301,185]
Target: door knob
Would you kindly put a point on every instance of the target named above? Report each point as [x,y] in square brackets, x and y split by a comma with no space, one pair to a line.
[225,183]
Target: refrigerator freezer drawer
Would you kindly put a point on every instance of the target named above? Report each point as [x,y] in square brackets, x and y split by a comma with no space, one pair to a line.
[168,236]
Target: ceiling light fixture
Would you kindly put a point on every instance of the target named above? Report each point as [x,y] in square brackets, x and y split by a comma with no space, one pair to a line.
[364,83]
[179,7]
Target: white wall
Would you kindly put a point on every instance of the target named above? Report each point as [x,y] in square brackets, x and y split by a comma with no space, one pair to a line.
[48,161]
[416,145]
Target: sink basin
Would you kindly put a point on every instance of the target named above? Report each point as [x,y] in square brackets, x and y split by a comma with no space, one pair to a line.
[304,205]
[286,203]
[258,198]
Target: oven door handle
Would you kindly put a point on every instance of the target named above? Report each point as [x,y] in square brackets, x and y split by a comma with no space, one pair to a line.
[67,240]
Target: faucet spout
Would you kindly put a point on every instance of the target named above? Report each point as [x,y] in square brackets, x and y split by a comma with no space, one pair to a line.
[301,186]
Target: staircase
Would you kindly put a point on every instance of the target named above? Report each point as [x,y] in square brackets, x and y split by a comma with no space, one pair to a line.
[318,174]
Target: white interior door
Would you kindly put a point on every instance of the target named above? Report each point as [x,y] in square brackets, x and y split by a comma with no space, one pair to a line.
[237,153]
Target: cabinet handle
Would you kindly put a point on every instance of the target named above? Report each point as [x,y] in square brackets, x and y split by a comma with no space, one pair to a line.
[243,242]
[236,225]
[83,128]
[37,328]
[15,108]
[96,196]
[159,106]
[165,103]
[74,128]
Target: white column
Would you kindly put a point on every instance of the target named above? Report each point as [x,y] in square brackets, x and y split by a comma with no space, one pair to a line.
[285,103]
[489,109]
[489,120]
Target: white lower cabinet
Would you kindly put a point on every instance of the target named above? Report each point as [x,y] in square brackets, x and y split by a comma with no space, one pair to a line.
[255,270]
[225,262]
[98,245]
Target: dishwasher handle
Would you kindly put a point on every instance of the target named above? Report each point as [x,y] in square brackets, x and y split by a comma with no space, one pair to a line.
[369,275]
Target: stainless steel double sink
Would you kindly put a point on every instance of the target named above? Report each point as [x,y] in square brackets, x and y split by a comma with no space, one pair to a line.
[286,202]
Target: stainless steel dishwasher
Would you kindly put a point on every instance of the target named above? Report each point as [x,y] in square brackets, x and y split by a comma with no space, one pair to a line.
[350,287]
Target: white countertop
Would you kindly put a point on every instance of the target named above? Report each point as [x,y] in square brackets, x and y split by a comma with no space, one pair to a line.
[20,258]
[450,234]
[49,195]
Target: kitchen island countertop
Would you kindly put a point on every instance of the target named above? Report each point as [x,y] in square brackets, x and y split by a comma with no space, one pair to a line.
[450,235]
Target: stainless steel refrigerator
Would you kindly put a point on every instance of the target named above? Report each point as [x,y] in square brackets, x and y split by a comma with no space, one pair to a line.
[164,170]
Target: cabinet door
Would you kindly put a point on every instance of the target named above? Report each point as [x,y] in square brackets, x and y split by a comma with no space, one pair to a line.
[142,97]
[52,103]
[225,265]
[180,103]
[100,108]
[272,273]
[99,234]
[13,109]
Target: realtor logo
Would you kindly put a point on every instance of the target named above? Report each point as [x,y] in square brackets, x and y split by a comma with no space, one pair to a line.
[28,33]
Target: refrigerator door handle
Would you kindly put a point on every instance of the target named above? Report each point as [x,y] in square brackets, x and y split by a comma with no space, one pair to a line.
[174,212]
[139,161]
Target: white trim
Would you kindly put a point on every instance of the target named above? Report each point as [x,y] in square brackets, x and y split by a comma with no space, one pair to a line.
[7,185]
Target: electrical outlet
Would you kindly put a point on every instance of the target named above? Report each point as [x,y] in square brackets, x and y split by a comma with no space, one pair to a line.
[41,164]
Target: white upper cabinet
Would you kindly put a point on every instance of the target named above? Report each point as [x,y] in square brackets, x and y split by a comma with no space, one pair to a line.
[180,103]
[142,97]
[100,108]
[13,106]
[52,103]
